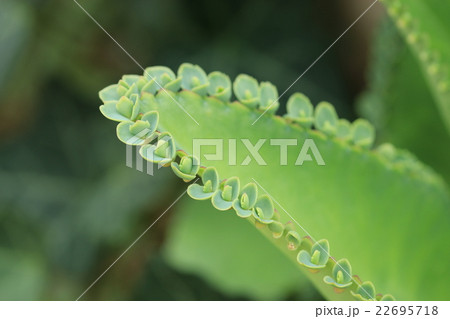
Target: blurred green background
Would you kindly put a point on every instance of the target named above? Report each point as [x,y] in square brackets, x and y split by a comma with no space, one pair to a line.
[68,204]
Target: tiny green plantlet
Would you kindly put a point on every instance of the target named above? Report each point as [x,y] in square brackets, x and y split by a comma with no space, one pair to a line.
[365,292]
[294,240]
[138,132]
[219,86]
[187,169]
[210,179]
[268,97]
[341,275]
[300,110]
[228,193]
[264,210]
[326,118]
[246,202]
[247,90]
[163,152]
[363,133]
[276,228]
[160,77]
[193,78]
[344,130]
[317,258]
[370,204]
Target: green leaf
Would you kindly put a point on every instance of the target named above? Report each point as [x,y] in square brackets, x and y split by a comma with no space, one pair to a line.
[335,193]
[400,105]
[125,107]
[133,90]
[131,79]
[109,93]
[340,201]
[110,111]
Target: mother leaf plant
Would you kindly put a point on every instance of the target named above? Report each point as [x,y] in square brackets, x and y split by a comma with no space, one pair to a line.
[375,212]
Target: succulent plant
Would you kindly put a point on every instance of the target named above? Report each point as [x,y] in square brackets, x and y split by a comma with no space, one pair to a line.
[317,196]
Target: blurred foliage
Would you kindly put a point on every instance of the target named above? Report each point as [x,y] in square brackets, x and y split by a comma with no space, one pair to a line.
[425,27]
[230,253]
[400,104]
[62,221]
